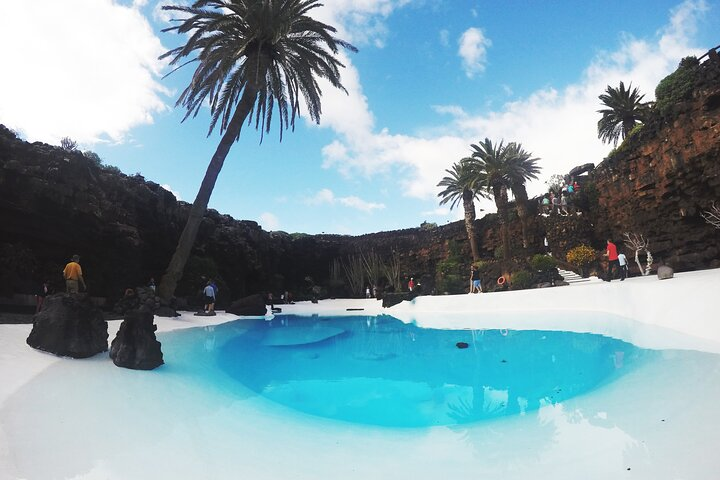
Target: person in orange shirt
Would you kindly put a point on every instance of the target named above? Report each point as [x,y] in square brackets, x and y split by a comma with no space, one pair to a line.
[73,276]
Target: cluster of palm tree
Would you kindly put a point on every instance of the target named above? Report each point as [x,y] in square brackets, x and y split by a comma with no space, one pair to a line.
[489,172]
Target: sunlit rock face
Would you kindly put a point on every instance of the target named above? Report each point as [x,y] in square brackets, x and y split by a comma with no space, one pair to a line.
[666,175]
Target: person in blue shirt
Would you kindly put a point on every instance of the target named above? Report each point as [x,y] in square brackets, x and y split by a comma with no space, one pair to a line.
[209,293]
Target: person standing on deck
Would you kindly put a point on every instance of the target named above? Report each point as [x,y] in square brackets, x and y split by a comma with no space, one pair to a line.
[209,293]
[475,280]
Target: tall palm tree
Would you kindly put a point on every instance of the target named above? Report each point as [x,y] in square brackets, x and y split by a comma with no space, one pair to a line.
[493,170]
[253,57]
[625,110]
[460,186]
[522,167]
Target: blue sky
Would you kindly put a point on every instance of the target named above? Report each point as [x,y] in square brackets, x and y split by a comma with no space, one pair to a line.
[431,77]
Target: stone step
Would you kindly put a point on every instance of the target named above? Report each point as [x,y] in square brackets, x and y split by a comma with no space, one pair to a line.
[572,277]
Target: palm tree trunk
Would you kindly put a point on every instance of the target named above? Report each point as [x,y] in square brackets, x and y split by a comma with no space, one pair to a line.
[521,204]
[469,206]
[501,202]
[628,125]
[175,269]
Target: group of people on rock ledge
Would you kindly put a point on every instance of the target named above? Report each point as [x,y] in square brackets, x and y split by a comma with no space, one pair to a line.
[560,202]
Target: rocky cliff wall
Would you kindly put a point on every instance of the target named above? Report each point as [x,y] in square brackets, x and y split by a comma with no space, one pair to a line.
[664,176]
[55,203]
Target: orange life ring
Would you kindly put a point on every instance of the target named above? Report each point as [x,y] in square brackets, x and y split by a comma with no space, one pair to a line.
[501,281]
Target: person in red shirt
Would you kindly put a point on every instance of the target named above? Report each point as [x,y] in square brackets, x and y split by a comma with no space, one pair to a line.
[613,263]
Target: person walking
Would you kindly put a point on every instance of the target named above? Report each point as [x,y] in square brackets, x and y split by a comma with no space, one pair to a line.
[73,276]
[475,280]
[411,284]
[612,256]
[622,261]
[564,205]
[209,293]
[545,204]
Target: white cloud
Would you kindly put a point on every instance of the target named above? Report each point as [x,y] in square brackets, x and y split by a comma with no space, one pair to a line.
[454,110]
[361,22]
[91,67]
[269,221]
[472,49]
[557,124]
[324,196]
[359,204]
[327,197]
[170,189]
[439,212]
[165,16]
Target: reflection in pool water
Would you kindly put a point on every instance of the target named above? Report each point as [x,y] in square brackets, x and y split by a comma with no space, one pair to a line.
[381,371]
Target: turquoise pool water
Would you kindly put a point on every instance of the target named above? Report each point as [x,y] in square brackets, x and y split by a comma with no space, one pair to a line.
[381,371]
[607,409]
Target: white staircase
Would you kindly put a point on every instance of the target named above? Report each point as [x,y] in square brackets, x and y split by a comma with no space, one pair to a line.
[572,277]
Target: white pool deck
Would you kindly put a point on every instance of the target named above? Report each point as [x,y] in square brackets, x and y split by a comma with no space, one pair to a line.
[650,424]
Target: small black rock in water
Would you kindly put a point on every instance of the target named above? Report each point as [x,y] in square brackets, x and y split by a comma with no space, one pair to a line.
[135,345]
[461,345]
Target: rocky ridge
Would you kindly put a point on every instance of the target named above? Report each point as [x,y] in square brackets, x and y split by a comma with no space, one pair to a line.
[56,203]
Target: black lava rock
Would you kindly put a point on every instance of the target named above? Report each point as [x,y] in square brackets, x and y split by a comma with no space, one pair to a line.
[135,345]
[253,306]
[69,326]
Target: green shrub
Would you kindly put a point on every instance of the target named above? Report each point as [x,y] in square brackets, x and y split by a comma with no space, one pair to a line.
[111,169]
[521,280]
[480,264]
[542,263]
[448,278]
[581,255]
[587,198]
[93,157]
[635,130]
[451,283]
[678,85]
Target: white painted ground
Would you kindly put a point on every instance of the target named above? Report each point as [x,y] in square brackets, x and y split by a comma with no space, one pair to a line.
[657,422]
